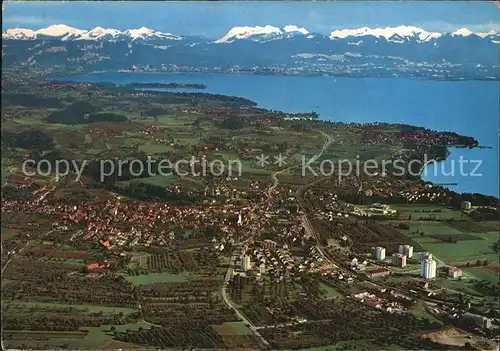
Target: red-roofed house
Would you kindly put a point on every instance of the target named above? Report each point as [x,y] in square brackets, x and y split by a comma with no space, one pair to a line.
[106,243]
[92,266]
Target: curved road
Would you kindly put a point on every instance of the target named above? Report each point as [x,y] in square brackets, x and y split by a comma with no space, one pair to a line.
[274,175]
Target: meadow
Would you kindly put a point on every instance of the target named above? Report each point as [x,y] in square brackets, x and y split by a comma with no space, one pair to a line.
[434,212]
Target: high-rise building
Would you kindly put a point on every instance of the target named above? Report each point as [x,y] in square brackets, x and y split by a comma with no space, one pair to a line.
[406,250]
[428,269]
[378,253]
[425,256]
[262,268]
[246,263]
[399,260]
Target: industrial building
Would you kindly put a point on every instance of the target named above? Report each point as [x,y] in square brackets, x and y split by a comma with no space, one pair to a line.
[428,269]
[478,320]
[406,250]
[398,260]
[378,253]
[378,273]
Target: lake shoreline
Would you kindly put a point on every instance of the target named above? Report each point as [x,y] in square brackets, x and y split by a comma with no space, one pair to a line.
[446,106]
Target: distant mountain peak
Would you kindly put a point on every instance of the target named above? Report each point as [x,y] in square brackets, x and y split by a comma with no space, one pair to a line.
[67,33]
[292,28]
[95,34]
[147,33]
[268,31]
[59,30]
[262,34]
[464,32]
[19,34]
[139,32]
[396,34]
[400,34]
[245,32]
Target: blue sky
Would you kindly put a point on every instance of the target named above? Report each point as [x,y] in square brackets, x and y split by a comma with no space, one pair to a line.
[214,19]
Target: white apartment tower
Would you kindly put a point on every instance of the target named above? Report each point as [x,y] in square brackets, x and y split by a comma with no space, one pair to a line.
[262,268]
[425,255]
[399,260]
[406,250]
[428,269]
[246,263]
[378,253]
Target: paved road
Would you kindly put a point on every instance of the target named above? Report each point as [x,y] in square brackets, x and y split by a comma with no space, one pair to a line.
[229,272]
[229,303]
[10,259]
[274,175]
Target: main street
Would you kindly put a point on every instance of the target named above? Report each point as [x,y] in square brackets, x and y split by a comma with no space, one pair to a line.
[229,272]
[241,316]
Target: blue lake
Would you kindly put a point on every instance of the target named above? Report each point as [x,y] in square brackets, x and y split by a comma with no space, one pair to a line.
[466,107]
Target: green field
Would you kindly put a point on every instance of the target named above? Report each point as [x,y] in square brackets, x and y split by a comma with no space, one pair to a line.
[416,212]
[154,278]
[419,311]
[151,149]
[482,274]
[432,228]
[232,328]
[159,180]
[462,251]
[330,292]
[462,286]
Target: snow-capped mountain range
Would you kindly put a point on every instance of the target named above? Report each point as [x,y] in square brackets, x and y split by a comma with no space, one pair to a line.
[257,47]
[256,33]
[67,33]
[262,34]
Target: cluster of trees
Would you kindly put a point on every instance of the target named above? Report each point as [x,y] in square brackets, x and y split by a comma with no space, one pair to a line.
[349,320]
[233,123]
[199,99]
[487,287]
[144,191]
[30,100]
[183,335]
[281,114]
[484,214]
[478,263]
[59,286]
[11,193]
[155,111]
[166,85]
[62,321]
[496,246]
[28,139]
[82,112]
